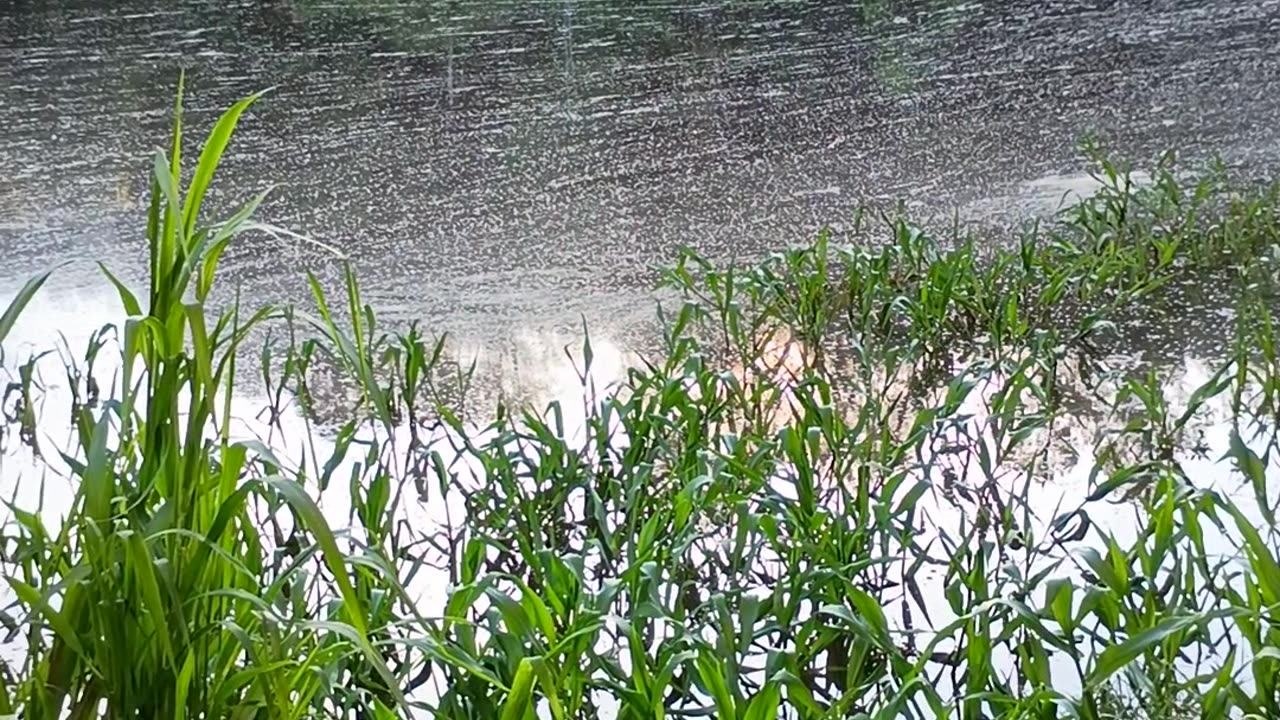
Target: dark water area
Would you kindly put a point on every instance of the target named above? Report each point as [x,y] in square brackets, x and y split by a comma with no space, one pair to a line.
[491,166]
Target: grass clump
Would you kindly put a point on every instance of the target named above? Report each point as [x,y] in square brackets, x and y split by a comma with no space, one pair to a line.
[157,596]
[836,492]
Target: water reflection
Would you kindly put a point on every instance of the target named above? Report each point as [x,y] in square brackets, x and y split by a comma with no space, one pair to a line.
[537,368]
[495,165]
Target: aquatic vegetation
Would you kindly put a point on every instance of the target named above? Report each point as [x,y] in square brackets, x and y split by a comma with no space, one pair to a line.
[884,475]
[160,594]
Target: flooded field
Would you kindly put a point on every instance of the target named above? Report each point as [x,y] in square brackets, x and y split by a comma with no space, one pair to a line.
[497,168]
[947,468]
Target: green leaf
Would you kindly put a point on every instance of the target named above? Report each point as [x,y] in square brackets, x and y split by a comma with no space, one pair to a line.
[513,614]
[1255,469]
[183,687]
[370,653]
[6,704]
[910,500]
[164,180]
[309,513]
[1267,654]
[871,612]
[1116,657]
[1260,557]
[20,301]
[210,156]
[143,565]
[314,521]
[1058,596]
[230,507]
[711,671]
[550,688]
[127,298]
[1031,620]
[98,483]
[801,698]
[453,656]
[1121,477]
[538,612]
[764,705]
[209,246]
[519,703]
[56,620]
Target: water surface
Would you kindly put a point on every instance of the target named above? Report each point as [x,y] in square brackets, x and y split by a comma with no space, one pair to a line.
[495,166]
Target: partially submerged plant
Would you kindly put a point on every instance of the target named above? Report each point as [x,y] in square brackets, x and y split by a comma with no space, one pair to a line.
[157,596]
[830,495]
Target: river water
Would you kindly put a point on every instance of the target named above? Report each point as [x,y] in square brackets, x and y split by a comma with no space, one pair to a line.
[502,169]
[497,167]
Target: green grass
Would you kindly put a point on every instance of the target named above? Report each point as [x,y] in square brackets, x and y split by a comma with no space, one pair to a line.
[848,524]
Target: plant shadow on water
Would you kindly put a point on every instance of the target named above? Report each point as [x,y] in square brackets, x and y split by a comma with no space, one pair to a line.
[908,479]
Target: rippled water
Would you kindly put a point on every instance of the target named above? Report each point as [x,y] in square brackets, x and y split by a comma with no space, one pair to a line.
[500,169]
[500,165]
